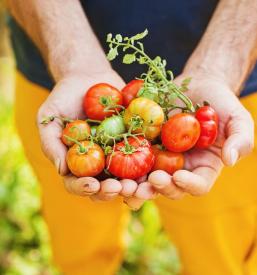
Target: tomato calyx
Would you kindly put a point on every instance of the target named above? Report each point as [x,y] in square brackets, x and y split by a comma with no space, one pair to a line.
[64,120]
[136,122]
[110,104]
[82,149]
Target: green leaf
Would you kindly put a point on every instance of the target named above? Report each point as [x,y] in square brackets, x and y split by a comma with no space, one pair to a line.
[112,54]
[109,37]
[129,58]
[118,37]
[184,84]
[140,36]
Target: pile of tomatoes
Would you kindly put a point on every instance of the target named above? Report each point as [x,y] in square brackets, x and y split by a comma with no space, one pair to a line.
[127,136]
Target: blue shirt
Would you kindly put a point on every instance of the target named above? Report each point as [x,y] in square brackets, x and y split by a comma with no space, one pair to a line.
[175,27]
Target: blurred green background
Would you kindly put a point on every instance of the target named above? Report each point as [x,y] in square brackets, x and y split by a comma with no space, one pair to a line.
[24,240]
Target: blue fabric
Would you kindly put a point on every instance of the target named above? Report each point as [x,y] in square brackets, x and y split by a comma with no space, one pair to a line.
[175,27]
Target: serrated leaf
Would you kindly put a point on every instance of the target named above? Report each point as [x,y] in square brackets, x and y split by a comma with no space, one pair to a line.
[112,54]
[140,36]
[118,37]
[129,58]
[109,37]
[141,60]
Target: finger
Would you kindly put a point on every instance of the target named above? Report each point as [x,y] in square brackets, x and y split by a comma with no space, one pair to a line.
[240,141]
[129,187]
[196,183]
[110,188]
[144,192]
[85,186]
[141,179]
[51,144]
[162,182]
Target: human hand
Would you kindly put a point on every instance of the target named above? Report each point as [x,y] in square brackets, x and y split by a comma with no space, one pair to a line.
[66,101]
[235,140]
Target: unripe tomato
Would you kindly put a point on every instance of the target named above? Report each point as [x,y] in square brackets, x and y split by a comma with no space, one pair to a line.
[132,160]
[98,98]
[208,120]
[180,133]
[166,160]
[86,159]
[77,129]
[147,115]
[131,90]
[110,127]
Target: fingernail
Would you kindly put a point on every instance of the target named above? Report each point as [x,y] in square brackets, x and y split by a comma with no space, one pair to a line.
[57,164]
[233,156]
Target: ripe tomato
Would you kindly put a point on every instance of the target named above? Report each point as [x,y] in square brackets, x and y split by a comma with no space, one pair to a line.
[166,160]
[77,129]
[130,91]
[110,127]
[131,161]
[180,133]
[208,120]
[86,159]
[98,98]
[144,116]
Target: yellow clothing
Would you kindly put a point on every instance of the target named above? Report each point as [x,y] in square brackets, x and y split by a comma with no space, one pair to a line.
[215,234]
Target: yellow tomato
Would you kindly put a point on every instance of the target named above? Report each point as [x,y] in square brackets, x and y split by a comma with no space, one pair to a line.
[144,116]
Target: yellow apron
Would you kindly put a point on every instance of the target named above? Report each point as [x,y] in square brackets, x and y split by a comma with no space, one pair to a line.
[215,234]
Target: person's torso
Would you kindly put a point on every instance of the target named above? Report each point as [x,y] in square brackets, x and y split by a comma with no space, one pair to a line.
[175,28]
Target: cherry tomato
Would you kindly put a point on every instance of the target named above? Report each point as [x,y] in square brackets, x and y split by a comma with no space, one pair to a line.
[208,120]
[180,133]
[131,161]
[166,160]
[78,130]
[131,90]
[86,159]
[144,116]
[111,127]
[98,98]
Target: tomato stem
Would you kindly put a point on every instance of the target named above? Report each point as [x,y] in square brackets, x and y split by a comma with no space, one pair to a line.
[48,119]
[82,148]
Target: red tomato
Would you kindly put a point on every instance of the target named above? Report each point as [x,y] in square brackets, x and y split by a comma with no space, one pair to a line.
[180,133]
[131,161]
[98,98]
[130,91]
[77,129]
[208,120]
[86,159]
[206,113]
[166,160]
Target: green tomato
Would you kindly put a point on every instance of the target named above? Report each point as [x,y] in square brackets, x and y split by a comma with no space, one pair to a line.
[109,129]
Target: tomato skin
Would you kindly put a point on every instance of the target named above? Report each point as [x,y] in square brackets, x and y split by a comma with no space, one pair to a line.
[92,105]
[131,90]
[77,129]
[166,160]
[134,165]
[206,113]
[180,133]
[87,164]
[208,120]
[209,132]
[111,126]
[151,114]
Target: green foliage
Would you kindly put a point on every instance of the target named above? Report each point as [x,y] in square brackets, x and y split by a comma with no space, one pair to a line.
[24,243]
[158,81]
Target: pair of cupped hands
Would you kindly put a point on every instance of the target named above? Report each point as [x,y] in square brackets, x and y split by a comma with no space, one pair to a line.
[202,167]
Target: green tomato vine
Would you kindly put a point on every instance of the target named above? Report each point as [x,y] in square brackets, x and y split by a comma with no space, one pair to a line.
[158,82]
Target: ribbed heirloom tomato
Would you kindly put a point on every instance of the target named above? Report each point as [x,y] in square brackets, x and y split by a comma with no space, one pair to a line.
[131,160]
[101,101]
[180,133]
[144,116]
[77,129]
[131,90]
[85,159]
[166,160]
[208,120]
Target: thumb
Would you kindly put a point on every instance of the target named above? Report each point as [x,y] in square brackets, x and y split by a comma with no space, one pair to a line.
[240,137]
[51,143]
